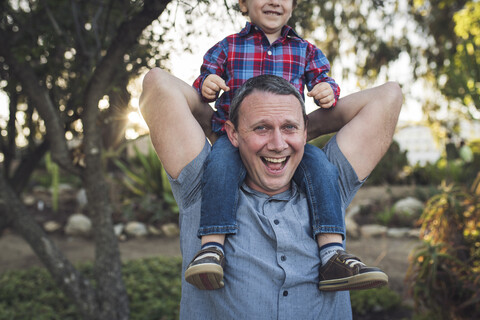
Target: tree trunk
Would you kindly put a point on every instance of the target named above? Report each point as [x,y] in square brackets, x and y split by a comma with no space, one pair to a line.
[73,283]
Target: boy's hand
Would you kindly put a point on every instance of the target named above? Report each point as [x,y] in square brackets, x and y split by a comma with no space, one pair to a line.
[212,85]
[323,93]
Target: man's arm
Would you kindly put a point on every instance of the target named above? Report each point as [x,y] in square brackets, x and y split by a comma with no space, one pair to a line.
[175,116]
[365,122]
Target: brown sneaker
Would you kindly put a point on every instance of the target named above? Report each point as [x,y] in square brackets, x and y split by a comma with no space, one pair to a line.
[206,273]
[346,272]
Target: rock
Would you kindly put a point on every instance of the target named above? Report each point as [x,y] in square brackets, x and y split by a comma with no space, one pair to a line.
[170,230]
[118,229]
[153,231]
[29,200]
[409,206]
[352,228]
[51,226]
[136,229]
[40,205]
[78,225]
[373,230]
[82,198]
[63,188]
[352,212]
[398,232]
[414,233]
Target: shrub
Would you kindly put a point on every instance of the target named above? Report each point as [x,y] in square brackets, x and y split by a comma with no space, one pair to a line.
[150,196]
[374,301]
[444,272]
[390,170]
[153,287]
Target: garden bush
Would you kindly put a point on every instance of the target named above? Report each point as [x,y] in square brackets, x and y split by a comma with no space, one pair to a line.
[154,291]
[444,272]
[374,301]
[153,287]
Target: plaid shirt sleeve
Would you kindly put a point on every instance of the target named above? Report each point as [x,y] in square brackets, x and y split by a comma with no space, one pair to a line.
[214,62]
[317,70]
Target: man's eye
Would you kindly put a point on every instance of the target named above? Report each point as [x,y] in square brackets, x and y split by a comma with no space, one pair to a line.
[290,127]
[260,128]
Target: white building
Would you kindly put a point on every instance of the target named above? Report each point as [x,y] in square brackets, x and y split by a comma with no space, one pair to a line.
[418,141]
[420,145]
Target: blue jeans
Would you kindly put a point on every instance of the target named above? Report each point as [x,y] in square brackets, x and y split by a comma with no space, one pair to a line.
[224,173]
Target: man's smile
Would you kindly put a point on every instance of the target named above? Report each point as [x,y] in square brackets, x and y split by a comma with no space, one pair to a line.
[275,165]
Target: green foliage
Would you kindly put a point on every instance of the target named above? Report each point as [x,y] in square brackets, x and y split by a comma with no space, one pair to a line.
[444,273]
[374,300]
[385,216]
[143,173]
[153,287]
[150,196]
[53,169]
[390,170]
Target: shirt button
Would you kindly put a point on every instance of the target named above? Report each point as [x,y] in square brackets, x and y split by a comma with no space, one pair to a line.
[283,258]
[276,221]
[285,293]
[269,52]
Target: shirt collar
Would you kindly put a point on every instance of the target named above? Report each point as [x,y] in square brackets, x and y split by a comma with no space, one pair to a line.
[287,31]
[284,196]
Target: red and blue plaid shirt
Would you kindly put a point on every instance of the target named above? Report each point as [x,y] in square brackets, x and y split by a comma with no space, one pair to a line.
[248,53]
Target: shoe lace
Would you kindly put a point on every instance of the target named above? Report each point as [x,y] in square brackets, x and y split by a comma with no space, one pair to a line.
[353,262]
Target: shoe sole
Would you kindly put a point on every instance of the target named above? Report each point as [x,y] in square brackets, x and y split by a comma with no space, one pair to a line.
[358,282]
[205,276]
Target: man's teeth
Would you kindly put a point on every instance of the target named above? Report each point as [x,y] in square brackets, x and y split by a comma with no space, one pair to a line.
[276,160]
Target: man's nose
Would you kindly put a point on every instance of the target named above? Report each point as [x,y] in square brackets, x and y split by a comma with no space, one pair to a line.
[277,142]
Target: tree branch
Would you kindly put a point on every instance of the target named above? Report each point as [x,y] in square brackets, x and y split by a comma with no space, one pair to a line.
[39,96]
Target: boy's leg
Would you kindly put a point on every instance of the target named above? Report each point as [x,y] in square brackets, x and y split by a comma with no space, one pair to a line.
[318,178]
[222,176]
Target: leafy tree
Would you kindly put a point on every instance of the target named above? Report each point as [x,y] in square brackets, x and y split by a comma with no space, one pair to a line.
[58,59]
[452,33]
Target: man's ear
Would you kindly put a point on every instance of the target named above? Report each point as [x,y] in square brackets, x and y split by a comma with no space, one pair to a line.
[232,133]
[306,131]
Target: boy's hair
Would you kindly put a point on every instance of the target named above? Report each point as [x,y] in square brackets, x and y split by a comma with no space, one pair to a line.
[237,7]
[264,83]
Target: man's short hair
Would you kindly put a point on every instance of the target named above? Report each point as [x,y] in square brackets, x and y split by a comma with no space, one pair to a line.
[264,83]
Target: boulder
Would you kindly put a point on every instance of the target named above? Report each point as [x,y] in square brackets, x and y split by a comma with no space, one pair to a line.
[407,211]
[373,230]
[136,229]
[170,229]
[78,225]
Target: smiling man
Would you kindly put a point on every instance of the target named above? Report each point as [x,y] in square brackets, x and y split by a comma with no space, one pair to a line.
[272,270]
[270,132]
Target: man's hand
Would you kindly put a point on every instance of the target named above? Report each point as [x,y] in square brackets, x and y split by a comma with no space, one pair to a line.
[323,93]
[212,85]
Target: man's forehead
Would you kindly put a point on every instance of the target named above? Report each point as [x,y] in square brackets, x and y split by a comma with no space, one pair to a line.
[269,99]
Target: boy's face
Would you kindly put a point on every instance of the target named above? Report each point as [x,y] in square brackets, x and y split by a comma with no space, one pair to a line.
[269,15]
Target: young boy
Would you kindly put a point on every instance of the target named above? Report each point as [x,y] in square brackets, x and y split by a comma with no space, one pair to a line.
[268,46]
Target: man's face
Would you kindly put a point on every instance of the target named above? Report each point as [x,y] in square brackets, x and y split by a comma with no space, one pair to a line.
[269,15]
[271,136]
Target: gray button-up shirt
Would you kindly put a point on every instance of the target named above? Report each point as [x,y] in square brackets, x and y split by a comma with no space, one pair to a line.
[272,262]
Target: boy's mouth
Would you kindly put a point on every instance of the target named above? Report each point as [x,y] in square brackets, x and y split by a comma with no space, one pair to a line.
[275,164]
[272,13]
